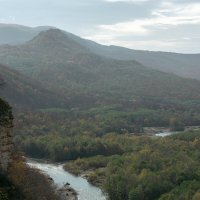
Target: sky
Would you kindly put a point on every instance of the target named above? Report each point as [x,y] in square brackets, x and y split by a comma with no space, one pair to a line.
[158,25]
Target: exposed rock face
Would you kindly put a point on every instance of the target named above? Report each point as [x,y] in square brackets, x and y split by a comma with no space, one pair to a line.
[6,144]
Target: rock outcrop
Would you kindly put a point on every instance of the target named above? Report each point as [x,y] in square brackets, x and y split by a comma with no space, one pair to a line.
[6,143]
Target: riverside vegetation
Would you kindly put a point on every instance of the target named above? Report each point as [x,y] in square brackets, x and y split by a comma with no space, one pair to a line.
[151,168]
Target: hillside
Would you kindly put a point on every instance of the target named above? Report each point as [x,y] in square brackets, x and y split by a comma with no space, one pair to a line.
[65,66]
[25,92]
[185,65]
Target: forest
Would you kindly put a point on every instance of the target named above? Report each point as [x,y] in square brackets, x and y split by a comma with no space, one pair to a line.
[63,134]
[149,169]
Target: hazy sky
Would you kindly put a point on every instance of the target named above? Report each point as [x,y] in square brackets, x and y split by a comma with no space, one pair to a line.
[166,25]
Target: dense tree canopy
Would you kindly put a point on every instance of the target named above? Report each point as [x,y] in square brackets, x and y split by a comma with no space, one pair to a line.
[151,169]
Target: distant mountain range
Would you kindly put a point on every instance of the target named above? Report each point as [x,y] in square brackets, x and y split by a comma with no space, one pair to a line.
[17,34]
[65,72]
[184,65]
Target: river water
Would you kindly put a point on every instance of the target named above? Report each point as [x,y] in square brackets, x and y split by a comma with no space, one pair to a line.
[164,134]
[85,190]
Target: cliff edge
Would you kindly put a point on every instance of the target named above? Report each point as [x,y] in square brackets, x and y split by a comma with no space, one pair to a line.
[6,143]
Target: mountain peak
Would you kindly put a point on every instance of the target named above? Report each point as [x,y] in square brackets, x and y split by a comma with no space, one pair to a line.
[53,35]
[55,38]
[52,32]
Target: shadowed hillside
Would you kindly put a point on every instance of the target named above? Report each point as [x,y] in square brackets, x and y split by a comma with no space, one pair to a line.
[25,92]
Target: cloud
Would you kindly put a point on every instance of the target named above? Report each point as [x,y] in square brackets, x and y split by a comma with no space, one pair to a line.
[2,20]
[9,19]
[169,8]
[165,17]
[168,15]
[142,24]
[149,44]
[125,28]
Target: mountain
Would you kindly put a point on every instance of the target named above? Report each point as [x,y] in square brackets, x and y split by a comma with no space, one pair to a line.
[16,34]
[63,65]
[184,65]
[22,91]
[48,48]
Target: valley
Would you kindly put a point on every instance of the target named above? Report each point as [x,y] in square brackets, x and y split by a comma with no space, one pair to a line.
[97,109]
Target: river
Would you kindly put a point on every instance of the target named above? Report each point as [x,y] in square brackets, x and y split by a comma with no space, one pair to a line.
[85,190]
[164,134]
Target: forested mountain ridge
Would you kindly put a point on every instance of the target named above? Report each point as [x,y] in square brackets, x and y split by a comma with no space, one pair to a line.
[185,65]
[22,91]
[65,66]
[47,49]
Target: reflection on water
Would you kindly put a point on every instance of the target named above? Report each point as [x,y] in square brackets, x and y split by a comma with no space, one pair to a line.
[85,190]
